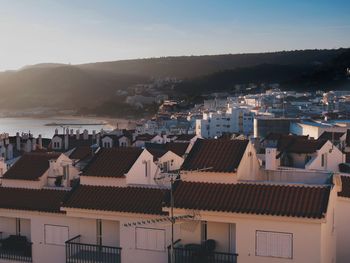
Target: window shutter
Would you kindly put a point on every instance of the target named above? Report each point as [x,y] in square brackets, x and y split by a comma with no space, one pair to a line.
[274,244]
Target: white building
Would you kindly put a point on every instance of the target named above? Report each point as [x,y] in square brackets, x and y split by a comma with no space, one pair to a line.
[233,120]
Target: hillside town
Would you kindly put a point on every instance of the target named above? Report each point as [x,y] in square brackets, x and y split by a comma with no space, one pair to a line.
[256,178]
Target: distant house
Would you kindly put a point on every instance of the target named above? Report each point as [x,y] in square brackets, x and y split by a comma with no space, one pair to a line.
[252,222]
[142,139]
[225,161]
[69,140]
[38,170]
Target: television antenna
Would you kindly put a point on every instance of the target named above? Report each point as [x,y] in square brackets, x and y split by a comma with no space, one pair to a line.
[166,178]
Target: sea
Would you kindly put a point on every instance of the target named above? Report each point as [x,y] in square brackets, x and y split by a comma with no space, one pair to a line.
[47,126]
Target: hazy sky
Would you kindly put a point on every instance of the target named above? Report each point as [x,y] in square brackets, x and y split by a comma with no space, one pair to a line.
[73,31]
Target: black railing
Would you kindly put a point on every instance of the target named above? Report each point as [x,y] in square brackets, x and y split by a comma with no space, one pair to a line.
[187,255]
[16,248]
[77,252]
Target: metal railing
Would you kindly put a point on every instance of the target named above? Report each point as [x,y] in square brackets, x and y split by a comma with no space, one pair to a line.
[13,253]
[77,252]
[187,255]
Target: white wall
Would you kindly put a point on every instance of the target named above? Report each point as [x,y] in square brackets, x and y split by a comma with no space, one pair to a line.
[137,173]
[333,158]
[174,160]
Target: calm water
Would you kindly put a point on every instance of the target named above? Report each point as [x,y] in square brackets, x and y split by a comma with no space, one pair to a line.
[37,125]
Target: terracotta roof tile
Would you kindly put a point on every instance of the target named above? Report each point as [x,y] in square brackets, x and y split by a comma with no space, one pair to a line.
[43,200]
[345,191]
[119,199]
[260,199]
[81,152]
[113,162]
[221,155]
[330,136]
[185,137]
[31,166]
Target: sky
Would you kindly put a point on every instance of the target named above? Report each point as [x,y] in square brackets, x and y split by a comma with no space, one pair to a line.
[82,31]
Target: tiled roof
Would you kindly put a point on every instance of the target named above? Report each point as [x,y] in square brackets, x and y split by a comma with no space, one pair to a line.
[260,199]
[287,140]
[178,148]
[220,155]
[345,188]
[347,139]
[144,137]
[185,137]
[331,136]
[299,145]
[119,199]
[113,162]
[158,150]
[42,200]
[31,166]
[73,142]
[81,152]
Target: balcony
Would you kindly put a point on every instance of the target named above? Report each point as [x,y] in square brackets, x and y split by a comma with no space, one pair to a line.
[16,248]
[193,253]
[77,252]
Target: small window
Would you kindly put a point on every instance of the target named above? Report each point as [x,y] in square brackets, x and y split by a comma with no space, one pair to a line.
[66,172]
[274,244]
[150,239]
[56,235]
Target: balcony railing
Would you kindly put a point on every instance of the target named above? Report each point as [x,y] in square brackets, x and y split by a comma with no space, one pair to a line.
[190,255]
[16,248]
[77,252]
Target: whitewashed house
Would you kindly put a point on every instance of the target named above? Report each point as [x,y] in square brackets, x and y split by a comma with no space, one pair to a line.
[221,161]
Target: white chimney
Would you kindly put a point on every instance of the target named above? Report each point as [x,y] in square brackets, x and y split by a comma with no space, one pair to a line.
[18,142]
[86,134]
[40,141]
[77,133]
[271,162]
[98,139]
[66,141]
[3,166]
[33,144]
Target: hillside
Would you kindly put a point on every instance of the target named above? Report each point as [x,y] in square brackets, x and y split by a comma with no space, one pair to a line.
[302,77]
[93,86]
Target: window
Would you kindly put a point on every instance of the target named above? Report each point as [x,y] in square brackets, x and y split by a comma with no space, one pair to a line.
[56,235]
[150,239]
[323,160]
[66,172]
[274,244]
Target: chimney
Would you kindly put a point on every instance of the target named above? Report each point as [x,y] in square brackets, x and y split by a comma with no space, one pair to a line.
[40,141]
[102,132]
[271,162]
[98,139]
[93,134]
[77,134]
[3,166]
[71,132]
[67,131]
[56,131]
[18,142]
[33,144]
[85,134]
[66,141]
